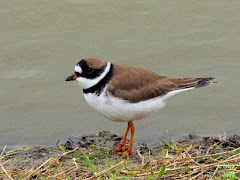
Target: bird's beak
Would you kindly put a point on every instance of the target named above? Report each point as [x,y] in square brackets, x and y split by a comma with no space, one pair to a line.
[72,77]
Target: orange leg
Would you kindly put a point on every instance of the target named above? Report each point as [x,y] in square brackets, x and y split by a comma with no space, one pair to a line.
[130,149]
[121,146]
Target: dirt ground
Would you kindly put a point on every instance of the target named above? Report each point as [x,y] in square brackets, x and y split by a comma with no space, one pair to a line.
[87,157]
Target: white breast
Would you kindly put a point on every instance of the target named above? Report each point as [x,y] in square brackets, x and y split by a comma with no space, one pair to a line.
[117,109]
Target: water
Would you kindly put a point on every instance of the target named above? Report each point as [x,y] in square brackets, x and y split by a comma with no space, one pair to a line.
[41,41]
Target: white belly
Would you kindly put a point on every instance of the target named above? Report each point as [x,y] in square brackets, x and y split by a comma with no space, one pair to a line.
[117,109]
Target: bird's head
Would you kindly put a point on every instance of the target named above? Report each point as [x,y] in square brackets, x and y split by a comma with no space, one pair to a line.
[89,71]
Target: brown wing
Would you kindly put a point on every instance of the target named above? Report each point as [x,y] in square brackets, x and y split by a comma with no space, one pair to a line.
[135,84]
[192,82]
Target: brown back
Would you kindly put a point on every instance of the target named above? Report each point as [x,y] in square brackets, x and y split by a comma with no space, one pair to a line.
[136,84]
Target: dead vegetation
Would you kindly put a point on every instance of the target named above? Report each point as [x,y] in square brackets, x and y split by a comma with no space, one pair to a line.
[195,158]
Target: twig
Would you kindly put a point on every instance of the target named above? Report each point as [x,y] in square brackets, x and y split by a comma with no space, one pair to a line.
[204,156]
[105,171]
[233,156]
[6,172]
[199,174]
[64,154]
[214,172]
[189,174]
[69,169]
[38,168]
[3,151]
[191,157]
[209,148]
[197,167]
[141,157]
[74,161]
[189,148]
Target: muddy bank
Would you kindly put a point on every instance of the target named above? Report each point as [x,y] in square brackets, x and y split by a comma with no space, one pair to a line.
[88,157]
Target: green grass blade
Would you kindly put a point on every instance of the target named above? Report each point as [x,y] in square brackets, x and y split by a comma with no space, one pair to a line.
[167,144]
[89,163]
[108,161]
[97,154]
[160,174]
[75,155]
[117,160]
[54,170]
[236,152]
[117,172]
[150,178]
[61,148]
[186,169]
[217,157]
[180,150]
[152,173]
[41,176]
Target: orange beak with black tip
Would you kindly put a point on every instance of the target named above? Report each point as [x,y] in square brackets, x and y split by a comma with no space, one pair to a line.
[72,77]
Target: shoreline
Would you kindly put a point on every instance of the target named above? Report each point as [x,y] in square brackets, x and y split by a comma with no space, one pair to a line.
[87,157]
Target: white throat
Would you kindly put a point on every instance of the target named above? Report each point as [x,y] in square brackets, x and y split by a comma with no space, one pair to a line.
[87,83]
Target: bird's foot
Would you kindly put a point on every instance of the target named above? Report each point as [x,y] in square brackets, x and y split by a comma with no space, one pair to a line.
[124,154]
[119,148]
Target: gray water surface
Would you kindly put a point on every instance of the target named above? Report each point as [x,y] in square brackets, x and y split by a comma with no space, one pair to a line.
[41,41]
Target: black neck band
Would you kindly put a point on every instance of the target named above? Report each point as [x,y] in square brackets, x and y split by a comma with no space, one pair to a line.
[97,89]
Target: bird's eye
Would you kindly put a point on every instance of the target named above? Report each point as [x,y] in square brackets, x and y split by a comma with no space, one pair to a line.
[90,70]
[77,73]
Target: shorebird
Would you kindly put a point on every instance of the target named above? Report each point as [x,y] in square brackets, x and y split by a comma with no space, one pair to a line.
[124,94]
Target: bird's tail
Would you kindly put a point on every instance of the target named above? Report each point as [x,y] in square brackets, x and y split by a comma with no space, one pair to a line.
[192,82]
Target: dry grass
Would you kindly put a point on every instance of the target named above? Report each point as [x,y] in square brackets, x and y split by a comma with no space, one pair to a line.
[170,161]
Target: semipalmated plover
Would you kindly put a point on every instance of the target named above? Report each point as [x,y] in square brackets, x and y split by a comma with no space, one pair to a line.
[124,94]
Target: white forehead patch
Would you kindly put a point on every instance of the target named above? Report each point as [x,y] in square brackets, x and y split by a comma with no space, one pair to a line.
[78,69]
